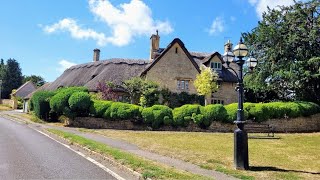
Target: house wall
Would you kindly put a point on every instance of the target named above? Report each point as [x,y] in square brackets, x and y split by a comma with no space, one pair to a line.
[172,67]
[226,92]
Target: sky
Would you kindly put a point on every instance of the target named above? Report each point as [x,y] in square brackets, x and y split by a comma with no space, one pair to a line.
[46,37]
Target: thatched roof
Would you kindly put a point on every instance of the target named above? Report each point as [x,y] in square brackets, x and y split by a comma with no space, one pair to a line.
[25,89]
[89,74]
[43,87]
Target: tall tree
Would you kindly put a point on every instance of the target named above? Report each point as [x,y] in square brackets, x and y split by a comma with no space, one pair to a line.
[287,44]
[206,82]
[37,80]
[12,78]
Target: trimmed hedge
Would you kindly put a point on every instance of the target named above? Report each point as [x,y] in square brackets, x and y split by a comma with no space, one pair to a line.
[80,102]
[186,113]
[215,112]
[232,110]
[59,102]
[119,110]
[157,115]
[40,104]
[99,107]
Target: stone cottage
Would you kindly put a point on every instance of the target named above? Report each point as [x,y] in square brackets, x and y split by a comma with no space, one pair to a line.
[173,67]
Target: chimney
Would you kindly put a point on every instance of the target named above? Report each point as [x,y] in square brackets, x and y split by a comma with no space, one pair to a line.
[154,47]
[228,46]
[96,55]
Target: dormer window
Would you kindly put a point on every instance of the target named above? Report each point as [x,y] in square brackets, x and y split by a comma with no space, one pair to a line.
[216,66]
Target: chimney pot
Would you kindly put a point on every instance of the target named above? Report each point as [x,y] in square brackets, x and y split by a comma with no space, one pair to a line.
[96,55]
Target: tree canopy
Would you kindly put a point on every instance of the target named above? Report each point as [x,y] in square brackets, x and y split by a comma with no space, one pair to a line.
[37,80]
[287,45]
[11,76]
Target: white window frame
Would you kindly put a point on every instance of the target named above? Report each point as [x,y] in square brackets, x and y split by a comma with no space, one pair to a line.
[216,65]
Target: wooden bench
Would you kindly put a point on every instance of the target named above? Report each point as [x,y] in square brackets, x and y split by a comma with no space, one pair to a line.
[252,127]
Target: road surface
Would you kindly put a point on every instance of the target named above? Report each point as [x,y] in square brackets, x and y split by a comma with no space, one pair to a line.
[27,154]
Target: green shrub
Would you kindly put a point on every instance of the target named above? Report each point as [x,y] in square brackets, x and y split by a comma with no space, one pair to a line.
[259,112]
[40,104]
[215,112]
[157,115]
[308,108]
[79,103]
[183,115]
[99,107]
[59,102]
[232,110]
[119,110]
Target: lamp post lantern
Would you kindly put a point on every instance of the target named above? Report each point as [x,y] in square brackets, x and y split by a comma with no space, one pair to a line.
[241,158]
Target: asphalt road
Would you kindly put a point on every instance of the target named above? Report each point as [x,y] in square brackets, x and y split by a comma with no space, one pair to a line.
[27,154]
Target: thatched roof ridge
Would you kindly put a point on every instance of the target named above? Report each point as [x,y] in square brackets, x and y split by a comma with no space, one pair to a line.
[89,74]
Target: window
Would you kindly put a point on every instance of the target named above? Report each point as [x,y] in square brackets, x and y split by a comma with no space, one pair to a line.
[217,101]
[216,65]
[176,50]
[183,84]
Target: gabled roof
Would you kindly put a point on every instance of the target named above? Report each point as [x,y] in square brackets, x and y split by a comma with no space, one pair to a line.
[43,87]
[89,74]
[25,89]
[176,40]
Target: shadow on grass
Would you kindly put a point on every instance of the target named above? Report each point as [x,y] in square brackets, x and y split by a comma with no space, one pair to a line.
[263,137]
[270,168]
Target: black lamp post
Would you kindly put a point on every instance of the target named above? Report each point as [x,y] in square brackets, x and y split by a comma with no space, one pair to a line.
[241,158]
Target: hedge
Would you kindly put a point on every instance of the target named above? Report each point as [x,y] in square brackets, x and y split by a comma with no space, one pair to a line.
[99,107]
[157,115]
[80,102]
[232,110]
[40,104]
[215,112]
[119,110]
[186,113]
[59,102]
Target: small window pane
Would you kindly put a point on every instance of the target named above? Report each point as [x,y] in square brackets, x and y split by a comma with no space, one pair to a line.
[182,84]
[187,84]
[178,84]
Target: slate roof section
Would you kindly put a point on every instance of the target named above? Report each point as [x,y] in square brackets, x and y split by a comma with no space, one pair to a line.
[115,70]
[25,89]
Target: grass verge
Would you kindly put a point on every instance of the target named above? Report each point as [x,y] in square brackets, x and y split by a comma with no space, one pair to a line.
[4,107]
[147,168]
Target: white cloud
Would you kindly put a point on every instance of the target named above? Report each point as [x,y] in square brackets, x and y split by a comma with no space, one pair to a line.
[126,21]
[76,31]
[217,26]
[261,5]
[64,64]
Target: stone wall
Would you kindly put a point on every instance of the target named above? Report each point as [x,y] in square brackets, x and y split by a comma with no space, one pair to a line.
[226,92]
[9,102]
[301,124]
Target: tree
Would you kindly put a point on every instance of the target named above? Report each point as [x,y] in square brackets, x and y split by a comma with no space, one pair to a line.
[149,94]
[37,80]
[106,90]
[286,42]
[206,82]
[134,87]
[12,77]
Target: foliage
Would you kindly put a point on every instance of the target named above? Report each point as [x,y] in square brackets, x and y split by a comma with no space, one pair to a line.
[119,110]
[157,115]
[40,104]
[174,100]
[286,43]
[80,102]
[150,94]
[37,80]
[215,112]
[11,76]
[107,91]
[206,81]
[59,102]
[99,107]
[134,87]
[232,110]
[186,113]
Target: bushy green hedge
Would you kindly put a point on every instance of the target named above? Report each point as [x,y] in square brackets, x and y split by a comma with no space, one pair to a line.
[232,110]
[157,115]
[40,104]
[119,110]
[80,102]
[99,107]
[186,113]
[215,112]
[59,102]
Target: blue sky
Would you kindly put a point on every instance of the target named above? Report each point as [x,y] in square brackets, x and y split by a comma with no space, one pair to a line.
[46,37]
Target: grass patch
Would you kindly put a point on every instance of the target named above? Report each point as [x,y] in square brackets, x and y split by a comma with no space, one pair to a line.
[293,156]
[147,168]
[31,117]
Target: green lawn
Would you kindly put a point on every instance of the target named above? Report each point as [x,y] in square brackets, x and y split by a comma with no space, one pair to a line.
[292,156]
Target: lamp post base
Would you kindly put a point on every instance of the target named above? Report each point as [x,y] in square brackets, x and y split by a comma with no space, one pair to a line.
[241,158]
